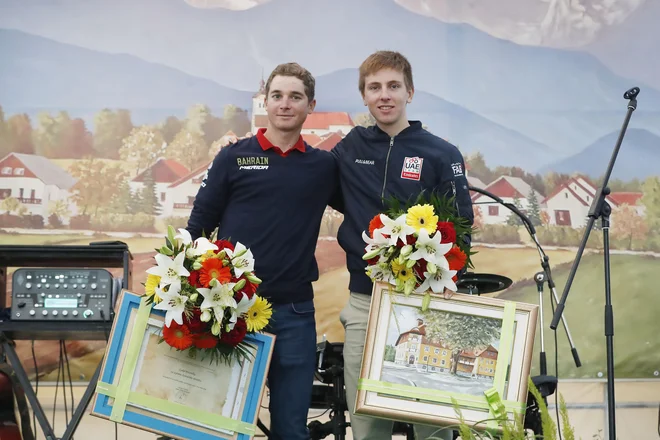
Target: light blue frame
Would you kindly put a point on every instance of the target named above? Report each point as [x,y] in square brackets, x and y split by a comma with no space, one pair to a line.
[130,301]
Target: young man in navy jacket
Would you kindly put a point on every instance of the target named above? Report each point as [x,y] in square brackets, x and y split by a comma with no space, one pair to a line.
[395,158]
[269,192]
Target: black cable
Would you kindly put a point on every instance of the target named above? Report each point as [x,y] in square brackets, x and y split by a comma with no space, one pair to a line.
[57,383]
[36,391]
[66,408]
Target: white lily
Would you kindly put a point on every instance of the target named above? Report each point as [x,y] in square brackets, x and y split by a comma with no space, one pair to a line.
[172,302]
[169,270]
[374,245]
[430,248]
[380,272]
[199,247]
[217,298]
[396,229]
[183,237]
[241,308]
[242,259]
[439,281]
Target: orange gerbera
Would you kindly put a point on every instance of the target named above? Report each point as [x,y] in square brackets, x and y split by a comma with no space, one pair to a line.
[212,268]
[205,340]
[374,224]
[177,336]
[456,258]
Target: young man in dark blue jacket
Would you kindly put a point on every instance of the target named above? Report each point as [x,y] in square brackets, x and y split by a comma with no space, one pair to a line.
[395,158]
[269,192]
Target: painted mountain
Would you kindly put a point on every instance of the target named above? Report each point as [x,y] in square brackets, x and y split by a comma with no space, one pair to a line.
[559,98]
[87,81]
[638,157]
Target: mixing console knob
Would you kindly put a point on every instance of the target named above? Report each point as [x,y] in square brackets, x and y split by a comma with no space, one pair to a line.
[64,313]
[54,312]
[32,313]
[87,313]
[75,313]
[28,286]
[45,312]
[93,286]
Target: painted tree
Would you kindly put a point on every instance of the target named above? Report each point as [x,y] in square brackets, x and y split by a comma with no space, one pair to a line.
[651,201]
[142,147]
[534,209]
[628,225]
[110,129]
[390,353]
[188,148]
[513,219]
[364,120]
[20,134]
[461,332]
[96,185]
[150,204]
[170,128]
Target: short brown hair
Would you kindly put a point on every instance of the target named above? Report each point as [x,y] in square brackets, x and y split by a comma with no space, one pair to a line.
[297,71]
[386,59]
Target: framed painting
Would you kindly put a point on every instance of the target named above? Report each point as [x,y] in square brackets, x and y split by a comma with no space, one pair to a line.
[467,352]
[151,386]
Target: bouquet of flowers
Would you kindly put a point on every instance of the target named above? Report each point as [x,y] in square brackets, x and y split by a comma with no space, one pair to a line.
[207,288]
[418,248]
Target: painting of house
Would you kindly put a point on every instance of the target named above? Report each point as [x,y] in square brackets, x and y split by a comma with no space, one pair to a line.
[36,182]
[486,362]
[180,194]
[414,349]
[164,172]
[569,203]
[510,190]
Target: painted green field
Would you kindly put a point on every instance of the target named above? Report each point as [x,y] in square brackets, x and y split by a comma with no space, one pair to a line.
[636,309]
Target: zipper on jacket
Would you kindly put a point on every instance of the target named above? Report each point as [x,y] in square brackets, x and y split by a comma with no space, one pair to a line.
[453,189]
[387,161]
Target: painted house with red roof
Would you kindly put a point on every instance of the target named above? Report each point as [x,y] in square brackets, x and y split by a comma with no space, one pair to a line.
[35,182]
[181,193]
[164,172]
[569,203]
[328,142]
[509,189]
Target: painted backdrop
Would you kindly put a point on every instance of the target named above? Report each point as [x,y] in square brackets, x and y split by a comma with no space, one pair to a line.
[111,113]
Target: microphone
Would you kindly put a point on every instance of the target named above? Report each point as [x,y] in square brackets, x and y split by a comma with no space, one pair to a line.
[511,207]
[632,93]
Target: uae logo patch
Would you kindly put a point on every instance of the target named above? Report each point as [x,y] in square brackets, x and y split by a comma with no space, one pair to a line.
[412,168]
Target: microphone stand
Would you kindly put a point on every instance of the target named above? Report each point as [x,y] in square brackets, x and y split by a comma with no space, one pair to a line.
[546,274]
[600,208]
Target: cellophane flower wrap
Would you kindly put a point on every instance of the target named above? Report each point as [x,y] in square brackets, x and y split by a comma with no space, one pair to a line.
[208,290]
[418,247]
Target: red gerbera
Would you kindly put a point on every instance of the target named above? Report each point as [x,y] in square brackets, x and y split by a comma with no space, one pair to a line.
[448,232]
[235,336]
[456,258]
[205,340]
[374,224]
[193,278]
[213,268]
[222,244]
[177,336]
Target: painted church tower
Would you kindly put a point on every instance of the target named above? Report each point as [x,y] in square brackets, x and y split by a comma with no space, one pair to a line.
[258,105]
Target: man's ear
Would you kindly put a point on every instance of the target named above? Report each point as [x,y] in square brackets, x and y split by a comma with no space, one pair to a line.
[311,106]
[411,93]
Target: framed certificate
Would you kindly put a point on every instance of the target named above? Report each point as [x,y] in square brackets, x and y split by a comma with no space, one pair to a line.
[149,385]
[467,352]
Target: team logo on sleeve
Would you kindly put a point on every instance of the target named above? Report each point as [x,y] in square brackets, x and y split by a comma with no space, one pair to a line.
[412,168]
[457,168]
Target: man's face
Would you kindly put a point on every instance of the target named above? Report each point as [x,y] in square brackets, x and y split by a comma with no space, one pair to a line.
[386,96]
[287,104]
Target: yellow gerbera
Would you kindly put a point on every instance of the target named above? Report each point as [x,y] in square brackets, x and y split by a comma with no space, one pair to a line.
[401,272]
[209,254]
[258,315]
[150,287]
[422,217]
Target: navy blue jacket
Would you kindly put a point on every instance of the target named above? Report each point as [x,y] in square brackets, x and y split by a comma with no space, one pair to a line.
[374,166]
[273,205]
